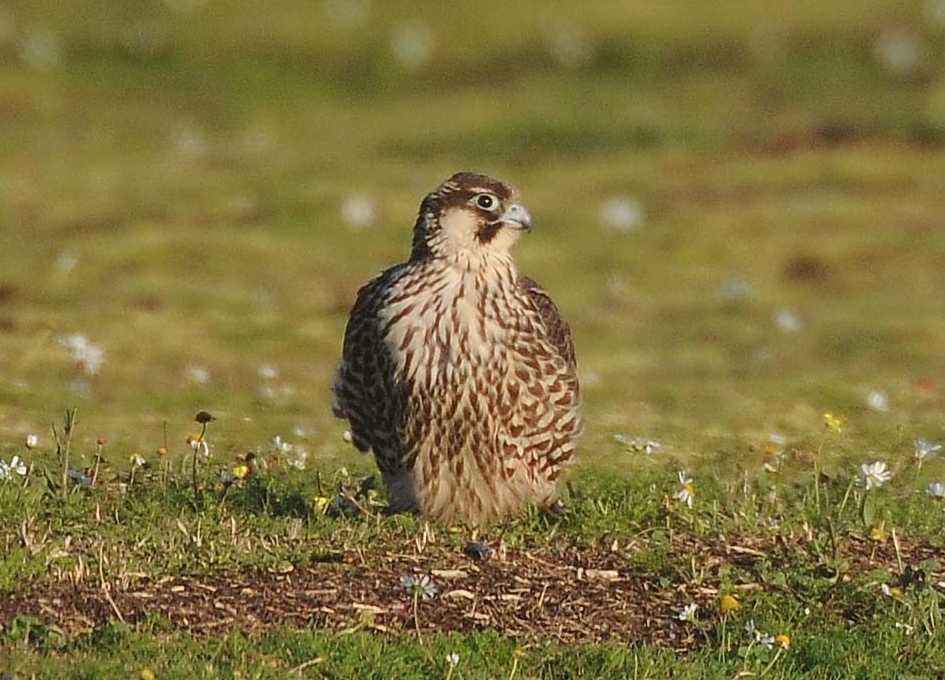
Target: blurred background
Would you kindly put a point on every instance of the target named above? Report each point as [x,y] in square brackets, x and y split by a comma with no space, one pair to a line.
[739,207]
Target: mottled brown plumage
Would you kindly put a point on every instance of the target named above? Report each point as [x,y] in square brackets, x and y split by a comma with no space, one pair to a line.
[458,372]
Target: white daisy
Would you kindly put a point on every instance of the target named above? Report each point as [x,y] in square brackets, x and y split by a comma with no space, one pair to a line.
[687,490]
[874,475]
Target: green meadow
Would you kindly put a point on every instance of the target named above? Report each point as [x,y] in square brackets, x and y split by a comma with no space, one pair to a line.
[739,209]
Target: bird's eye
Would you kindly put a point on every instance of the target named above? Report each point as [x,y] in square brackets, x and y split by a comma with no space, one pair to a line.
[487,201]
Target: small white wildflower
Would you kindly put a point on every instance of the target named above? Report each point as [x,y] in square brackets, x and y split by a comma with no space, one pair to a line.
[687,613]
[569,45]
[878,401]
[85,353]
[16,465]
[899,51]
[298,458]
[281,445]
[268,372]
[41,50]
[639,444]
[874,475]
[189,141]
[32,441]
[452,659]
[622,213]
[358,211]
[936,490]
[347,436]
[66,262]
[758,636]
[934,11]
[420,586]
[735,287]
[687,490]
[788,321]
[923,449]
[137,460]
[198,374]
[412,44]
[886,590]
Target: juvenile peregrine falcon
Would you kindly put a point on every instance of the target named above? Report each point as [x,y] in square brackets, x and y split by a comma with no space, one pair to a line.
[457,371]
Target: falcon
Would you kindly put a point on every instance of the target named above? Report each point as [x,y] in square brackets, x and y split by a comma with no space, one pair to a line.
[457,371]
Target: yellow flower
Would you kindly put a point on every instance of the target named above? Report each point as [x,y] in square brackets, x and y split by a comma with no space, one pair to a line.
[321,502]
[834,423]
[240,471]
[162,451]
[147,674]
[729,604]
[783,640]
[878,533]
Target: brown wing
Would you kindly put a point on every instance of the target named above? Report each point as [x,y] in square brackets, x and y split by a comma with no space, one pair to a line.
[365,393]
[558,333]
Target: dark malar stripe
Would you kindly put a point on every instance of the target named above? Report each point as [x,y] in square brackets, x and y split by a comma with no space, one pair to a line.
[488,232]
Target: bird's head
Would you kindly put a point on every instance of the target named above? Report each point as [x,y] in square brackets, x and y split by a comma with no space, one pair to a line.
[468,217]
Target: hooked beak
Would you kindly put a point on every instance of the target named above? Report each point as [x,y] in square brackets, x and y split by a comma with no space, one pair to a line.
[516,216]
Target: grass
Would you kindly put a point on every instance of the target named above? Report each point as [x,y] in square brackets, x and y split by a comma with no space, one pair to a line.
[171,188]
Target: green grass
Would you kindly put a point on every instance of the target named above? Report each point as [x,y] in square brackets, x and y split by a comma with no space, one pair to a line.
[191,165]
